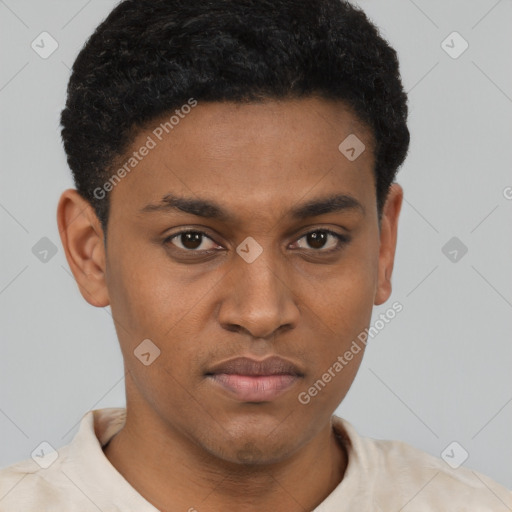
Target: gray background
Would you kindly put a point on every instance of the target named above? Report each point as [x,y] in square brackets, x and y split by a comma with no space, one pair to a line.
[439,372]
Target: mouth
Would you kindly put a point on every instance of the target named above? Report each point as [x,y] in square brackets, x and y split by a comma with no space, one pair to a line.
[249,380]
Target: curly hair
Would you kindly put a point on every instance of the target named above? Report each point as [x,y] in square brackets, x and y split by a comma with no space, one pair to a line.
[149,57]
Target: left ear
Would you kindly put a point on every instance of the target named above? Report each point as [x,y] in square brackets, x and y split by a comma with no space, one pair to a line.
[388,237]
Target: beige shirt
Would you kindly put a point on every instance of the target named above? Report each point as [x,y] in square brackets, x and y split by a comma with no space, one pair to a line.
[385,476]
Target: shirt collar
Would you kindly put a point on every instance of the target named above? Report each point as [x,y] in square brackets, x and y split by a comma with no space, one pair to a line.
[89,468]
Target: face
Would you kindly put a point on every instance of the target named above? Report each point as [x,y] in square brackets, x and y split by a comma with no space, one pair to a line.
[245,232]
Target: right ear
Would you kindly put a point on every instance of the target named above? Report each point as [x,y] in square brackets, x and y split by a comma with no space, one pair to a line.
[81,235]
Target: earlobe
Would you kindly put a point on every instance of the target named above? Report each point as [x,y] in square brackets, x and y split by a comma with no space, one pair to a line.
[81,235]
[388,239]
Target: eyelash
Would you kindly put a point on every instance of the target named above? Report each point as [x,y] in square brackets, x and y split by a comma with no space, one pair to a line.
[342,240]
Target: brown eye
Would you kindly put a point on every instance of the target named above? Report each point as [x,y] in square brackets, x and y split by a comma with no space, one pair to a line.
[192,241]
[317,239]
[322,240]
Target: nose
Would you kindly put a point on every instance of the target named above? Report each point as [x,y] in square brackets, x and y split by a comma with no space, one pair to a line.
[259,296]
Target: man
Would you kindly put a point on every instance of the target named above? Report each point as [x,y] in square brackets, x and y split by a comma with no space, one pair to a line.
[236,207]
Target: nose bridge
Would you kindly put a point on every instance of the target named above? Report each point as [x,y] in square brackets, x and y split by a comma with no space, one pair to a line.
[260,298]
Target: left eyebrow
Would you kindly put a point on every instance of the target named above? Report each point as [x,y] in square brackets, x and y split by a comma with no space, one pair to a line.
[329,204]
[211,209]
[199,207]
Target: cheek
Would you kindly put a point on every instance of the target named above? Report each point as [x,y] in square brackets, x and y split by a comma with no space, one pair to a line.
[344,313]
[342,305]
[342,299]
[148,303]
[152,300]
[347,308]
[148,293]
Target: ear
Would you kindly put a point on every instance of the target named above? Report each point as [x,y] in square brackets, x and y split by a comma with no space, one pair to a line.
[81,235]
[388,237]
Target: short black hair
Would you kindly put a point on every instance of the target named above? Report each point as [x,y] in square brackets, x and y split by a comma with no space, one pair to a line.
[149,57]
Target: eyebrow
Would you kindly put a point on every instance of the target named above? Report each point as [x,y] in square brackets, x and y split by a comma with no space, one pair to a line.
[211,209]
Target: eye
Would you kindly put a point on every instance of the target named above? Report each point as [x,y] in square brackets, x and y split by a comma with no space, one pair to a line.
[322,240]
[192,241]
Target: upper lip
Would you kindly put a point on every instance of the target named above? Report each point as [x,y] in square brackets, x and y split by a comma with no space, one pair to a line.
[274,365]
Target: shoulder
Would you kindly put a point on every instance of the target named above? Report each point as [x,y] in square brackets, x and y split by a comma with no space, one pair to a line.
[68,479]
[407,477]
[26,486]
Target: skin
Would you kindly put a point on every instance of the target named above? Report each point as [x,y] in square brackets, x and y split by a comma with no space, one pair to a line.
[258,161]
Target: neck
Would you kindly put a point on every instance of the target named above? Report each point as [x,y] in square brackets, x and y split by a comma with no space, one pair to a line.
[175,475]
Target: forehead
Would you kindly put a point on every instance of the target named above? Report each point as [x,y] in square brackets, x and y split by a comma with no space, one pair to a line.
[255,156]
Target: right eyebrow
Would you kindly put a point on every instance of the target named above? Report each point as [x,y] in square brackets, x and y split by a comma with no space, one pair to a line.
[210,209]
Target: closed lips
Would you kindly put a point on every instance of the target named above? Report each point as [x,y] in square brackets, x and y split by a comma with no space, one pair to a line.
[274,365]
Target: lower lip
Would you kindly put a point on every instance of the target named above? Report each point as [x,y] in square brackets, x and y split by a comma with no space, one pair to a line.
[255,388]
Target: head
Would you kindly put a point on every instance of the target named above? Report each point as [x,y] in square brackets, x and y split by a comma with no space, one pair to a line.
[268,133]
